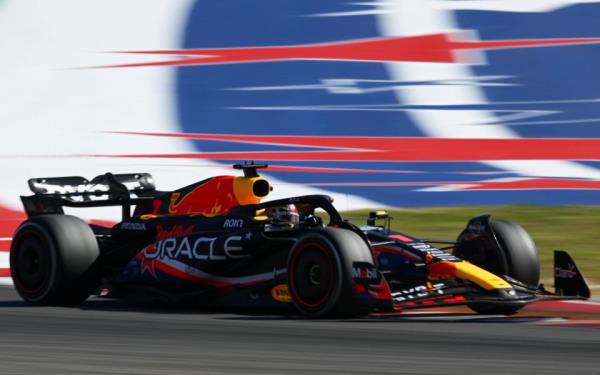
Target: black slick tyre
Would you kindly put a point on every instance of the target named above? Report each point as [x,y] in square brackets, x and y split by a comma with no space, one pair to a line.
[51,260]
[522,259]
[320,271]
[511,252]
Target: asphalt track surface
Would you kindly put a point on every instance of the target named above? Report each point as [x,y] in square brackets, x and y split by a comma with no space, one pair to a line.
[110,337]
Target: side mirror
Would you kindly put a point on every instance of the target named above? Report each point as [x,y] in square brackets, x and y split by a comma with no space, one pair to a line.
[377,215]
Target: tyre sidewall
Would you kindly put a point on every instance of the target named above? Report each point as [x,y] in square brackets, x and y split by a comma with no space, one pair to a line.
[345,247]
[73,250]
[520,251]
[316,239]
[47,290]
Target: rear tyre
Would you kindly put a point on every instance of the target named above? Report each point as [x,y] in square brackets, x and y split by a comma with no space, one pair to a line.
[320,272]
[51,260]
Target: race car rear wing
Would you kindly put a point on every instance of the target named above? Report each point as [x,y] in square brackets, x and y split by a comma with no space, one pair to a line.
[51,194]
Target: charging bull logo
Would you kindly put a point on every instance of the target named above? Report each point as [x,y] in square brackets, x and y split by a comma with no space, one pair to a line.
[216,196]
[212,198]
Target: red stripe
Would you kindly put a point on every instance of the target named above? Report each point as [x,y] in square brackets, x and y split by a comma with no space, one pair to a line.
[9,221]
[566,306]
[391,148]
[424,48]
[573,323]
[523,43]
[186,276]
[433,47]
[455,299]
[4,272]
[289,168]
[401,237]
[524,184]
[395,251]
[102,223]
[537,184]
[182,275]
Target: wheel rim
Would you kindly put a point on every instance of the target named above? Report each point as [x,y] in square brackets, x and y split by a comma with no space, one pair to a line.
[33,263]
[312,276]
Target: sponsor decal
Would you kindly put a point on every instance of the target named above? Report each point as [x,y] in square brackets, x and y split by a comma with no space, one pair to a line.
[175,231]
[152,252]
[476,228]
[434,252]
[233,223]
[365,273]
[567,273]
[198,248]
[133,226]
[419,291]
[281,293]
[178,243]
[92,192]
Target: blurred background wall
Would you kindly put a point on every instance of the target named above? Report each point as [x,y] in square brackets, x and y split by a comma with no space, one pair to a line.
[379,103]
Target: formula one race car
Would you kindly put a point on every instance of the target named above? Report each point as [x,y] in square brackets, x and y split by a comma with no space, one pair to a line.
[215,243]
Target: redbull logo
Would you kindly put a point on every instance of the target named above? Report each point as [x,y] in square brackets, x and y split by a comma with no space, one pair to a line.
[218,195]
[175,231]
[211,198]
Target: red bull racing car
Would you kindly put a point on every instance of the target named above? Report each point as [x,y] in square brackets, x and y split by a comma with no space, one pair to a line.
[216,243]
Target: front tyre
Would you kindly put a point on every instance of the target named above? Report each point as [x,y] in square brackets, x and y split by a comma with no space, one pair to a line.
[320,271]
[51,260]
[505,249]
[501,247]
[520,251]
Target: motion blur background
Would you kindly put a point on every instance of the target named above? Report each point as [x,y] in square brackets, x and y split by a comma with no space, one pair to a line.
[64,111]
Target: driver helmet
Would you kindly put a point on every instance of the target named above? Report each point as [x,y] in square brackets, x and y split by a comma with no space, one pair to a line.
[283,217]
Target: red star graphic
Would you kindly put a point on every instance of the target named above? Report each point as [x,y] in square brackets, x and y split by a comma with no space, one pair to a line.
[148,264]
